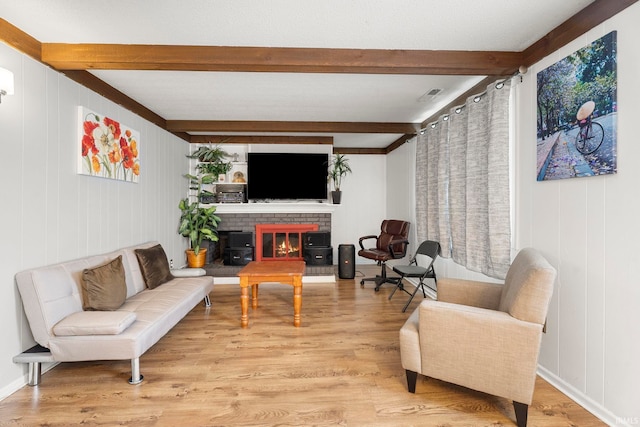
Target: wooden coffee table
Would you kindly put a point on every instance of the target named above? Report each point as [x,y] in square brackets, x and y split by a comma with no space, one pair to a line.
[256,272]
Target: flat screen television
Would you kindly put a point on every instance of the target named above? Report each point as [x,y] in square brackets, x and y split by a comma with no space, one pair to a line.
[287,176]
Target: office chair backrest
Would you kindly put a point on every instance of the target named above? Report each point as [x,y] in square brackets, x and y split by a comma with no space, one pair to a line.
[390,230]
[528,287]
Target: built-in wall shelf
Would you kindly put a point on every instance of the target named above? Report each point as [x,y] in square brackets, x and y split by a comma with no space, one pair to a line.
[276,207]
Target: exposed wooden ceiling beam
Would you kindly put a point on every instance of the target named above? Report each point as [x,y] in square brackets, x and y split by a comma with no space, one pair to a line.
[276,126]
[19,40]
[589,17]
[87,79]
[277,59]
[260,139]
[346,150]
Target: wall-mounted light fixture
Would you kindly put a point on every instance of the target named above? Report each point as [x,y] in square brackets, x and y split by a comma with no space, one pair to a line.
[6,83]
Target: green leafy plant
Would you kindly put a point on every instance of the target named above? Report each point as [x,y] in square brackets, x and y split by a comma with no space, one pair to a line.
[198,223]
[339,169]
[212,160]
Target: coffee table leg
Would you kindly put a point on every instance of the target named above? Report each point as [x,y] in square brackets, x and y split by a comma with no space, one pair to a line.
[297,304]
[244,303]
[254,295]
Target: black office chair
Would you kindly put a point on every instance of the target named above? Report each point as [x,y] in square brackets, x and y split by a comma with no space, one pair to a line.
[428,248]
[390,244]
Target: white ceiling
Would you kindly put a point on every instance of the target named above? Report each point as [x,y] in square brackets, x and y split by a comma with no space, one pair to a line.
[486,25]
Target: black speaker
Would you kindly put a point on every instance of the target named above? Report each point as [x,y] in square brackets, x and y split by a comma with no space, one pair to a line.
[239,239]
[238,256]
[317,239]
[318,256]
[347,260]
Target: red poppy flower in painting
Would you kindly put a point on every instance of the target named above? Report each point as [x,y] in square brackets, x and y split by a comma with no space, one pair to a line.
[108,149]
[113,126]
[88,142]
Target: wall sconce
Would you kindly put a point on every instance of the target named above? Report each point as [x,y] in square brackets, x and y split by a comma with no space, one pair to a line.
[6,83]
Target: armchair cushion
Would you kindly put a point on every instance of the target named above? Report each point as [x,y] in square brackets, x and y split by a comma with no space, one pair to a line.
[481,349]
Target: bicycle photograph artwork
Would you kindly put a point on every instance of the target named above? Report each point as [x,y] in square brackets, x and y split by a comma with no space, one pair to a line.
[577,113]
[591,133]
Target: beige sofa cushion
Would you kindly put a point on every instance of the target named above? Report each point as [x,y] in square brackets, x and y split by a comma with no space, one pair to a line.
[104,286]
[94,323]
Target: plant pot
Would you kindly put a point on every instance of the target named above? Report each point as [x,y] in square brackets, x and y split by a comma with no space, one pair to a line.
[196,261]
[336,196]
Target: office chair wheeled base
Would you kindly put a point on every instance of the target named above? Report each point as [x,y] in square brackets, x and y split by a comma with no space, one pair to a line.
[381,278]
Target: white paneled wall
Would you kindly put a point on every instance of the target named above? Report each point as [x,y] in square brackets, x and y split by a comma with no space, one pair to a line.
[49,212]
[588,229]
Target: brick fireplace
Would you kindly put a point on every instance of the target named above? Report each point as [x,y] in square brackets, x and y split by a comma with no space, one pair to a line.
[240,217]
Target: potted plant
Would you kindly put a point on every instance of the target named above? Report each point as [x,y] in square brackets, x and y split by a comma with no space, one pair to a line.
[212,161]
[198,223]
[339,169]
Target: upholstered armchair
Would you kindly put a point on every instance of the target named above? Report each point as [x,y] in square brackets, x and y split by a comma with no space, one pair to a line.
[483,336]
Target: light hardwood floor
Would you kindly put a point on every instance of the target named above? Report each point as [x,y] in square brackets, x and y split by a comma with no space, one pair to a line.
[340,368]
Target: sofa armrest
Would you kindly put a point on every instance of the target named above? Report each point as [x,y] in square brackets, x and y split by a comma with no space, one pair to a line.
[470,292]
[482,349]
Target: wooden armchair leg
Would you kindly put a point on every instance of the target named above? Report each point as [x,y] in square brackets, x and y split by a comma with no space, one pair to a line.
[522,411]
[412,377]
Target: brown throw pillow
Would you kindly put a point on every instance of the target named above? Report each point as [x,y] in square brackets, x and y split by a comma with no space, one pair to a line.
[104,287]
[154,266]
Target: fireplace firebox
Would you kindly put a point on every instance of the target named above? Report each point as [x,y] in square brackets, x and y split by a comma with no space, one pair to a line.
[281,242]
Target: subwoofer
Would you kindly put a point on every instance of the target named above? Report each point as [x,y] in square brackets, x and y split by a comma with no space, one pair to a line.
[240,239]
[238,256]
[347,261]
[318,256]
[316,239]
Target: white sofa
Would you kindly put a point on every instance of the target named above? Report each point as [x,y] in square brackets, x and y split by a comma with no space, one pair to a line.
[52,299]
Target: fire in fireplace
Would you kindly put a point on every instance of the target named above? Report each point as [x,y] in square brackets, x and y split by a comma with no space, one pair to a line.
[281,242]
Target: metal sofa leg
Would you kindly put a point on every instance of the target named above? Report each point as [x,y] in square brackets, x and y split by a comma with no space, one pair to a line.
[522,412]
[207,301]
[136,377]
[412,377]
[35,372]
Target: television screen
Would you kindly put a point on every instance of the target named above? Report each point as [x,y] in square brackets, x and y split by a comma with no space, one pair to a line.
[287,176]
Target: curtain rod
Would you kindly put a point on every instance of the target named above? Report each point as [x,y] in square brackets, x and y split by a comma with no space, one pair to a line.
[498,85]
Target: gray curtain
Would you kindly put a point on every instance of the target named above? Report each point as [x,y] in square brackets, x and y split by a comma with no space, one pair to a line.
[467,201]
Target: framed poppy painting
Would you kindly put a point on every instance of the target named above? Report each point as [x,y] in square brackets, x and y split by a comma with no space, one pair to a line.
[108,149]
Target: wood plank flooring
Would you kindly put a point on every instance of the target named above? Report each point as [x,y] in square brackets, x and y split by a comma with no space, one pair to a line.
[340,368]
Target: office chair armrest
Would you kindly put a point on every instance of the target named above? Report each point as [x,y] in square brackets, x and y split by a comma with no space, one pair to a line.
[392,243]
[372,236]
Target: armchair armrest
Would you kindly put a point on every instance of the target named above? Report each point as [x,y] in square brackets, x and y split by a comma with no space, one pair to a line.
[482,349]
[470,292]
[371,236]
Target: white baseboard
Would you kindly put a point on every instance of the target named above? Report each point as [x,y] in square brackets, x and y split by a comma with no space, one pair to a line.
[16,385]
[585,401]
